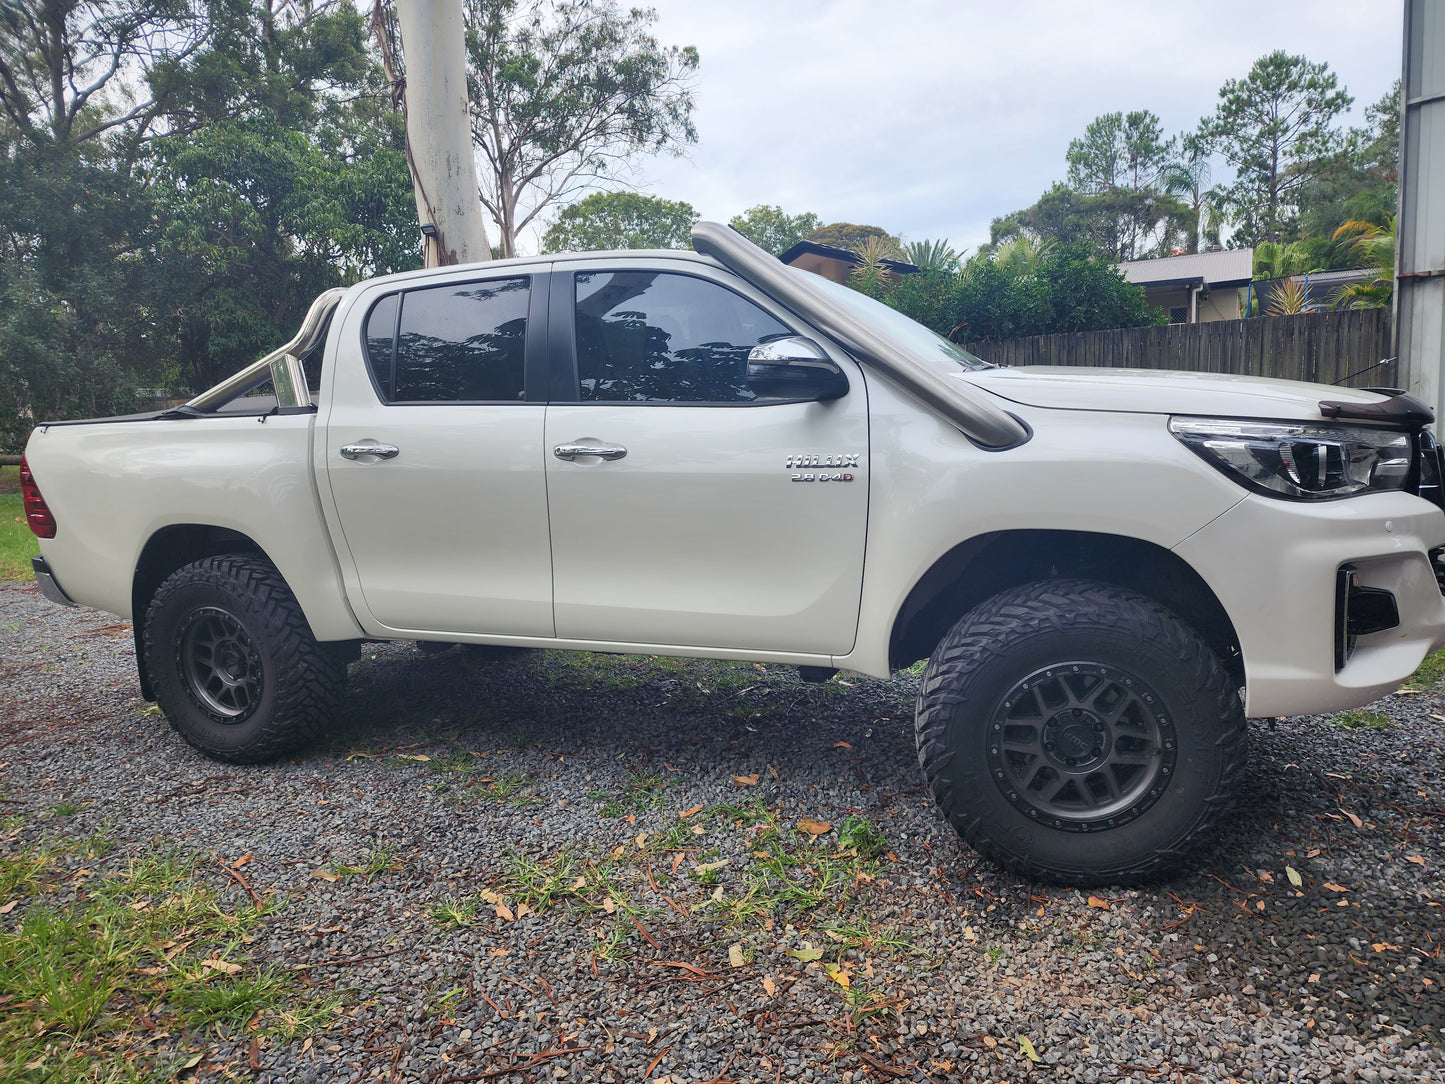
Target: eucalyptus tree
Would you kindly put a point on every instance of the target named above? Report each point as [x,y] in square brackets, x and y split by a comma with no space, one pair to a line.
[608,220]
[567,94]
[774,229]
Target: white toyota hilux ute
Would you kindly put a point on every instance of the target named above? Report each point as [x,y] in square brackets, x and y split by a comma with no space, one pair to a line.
[711,454]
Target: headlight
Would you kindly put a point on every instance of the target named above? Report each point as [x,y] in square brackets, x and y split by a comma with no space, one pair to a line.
[1300,461]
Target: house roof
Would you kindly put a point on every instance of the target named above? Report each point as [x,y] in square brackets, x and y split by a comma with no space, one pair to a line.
[1227,267]
[813,248]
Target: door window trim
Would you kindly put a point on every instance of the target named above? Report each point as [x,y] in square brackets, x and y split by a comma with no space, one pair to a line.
[534,341]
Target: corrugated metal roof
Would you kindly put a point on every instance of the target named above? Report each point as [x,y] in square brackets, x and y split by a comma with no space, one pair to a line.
[1231,265]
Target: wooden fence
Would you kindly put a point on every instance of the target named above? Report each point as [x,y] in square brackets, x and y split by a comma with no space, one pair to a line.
[1323,347]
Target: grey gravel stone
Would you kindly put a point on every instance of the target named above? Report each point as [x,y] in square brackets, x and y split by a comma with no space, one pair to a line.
[1224,972]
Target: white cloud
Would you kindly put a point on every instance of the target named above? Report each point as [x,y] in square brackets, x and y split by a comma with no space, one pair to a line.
[930,118]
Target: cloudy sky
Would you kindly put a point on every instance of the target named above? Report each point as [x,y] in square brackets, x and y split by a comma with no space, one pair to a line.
[930,117]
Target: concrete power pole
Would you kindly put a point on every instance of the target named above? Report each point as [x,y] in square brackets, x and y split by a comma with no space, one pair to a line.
[439,134]
[1419,233]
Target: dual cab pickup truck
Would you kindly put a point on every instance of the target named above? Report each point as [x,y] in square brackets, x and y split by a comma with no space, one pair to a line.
[710,454]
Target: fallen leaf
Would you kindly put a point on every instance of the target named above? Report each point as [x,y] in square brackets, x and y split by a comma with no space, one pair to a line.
[735,955]
[1419,860]
[1102,905]
[699,830]
[841,745]
[1334,887]
[769,986]
[834,935]
[225,967]
[1026,1048]
[677,860]
[524,909]
[814,828]
[422,757]
[717,894]
[1353,819]
[580,882]
[609,905]
[8,907]
[1313,852]
[505,913]
[694,811]
[1381,946]
[1294,877]
[838,975]
[498,952]
[244,860]
[641,840]
[990,1042]
[703,867]
[1314,977]
[970,934]
[325,875]
[806,955]
[490,896]
[1259,905]
[746,780]
[773,771]
[631,818]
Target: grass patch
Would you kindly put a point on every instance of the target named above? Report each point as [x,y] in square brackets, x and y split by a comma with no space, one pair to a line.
[1359,720]
[1430,673]
[17,543]
[117,974]
[507,787]
[378,861]
[643,790]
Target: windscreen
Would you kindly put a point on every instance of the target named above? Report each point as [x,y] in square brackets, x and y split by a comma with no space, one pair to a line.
[925,345]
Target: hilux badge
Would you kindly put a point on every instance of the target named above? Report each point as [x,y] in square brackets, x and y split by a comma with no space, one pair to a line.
[827,463]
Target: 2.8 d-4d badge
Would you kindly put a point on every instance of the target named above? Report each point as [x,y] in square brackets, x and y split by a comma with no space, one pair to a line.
[826,461]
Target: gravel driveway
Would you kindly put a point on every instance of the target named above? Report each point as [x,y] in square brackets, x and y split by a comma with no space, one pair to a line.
[598,868]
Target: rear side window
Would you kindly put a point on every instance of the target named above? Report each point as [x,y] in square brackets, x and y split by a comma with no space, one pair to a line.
[446,344]
[655,337]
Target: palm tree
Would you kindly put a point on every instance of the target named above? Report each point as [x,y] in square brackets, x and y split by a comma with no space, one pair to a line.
[1375,245]
[932,255]
[1021,255]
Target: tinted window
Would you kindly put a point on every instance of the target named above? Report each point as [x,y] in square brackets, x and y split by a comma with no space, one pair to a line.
[380,340]
[648,336]
[457,343]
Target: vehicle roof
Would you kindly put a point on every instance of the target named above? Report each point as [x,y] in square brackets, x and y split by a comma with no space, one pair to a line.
[491,266]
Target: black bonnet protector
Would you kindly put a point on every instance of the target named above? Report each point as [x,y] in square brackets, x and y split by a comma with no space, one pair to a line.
[1400,411]
[982,422]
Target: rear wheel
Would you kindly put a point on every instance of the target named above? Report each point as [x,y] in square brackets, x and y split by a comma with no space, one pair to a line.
[233,662]
[1079,733]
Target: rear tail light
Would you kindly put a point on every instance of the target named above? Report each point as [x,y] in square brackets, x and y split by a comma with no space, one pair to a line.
[37,512]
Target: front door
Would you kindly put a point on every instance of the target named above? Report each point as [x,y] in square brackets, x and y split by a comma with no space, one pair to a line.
[684,511]
[432,451]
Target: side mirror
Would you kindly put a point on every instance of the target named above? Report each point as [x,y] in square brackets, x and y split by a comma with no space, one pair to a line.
[794,368]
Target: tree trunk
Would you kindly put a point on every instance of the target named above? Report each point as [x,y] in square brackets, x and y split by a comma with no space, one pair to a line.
[439,136]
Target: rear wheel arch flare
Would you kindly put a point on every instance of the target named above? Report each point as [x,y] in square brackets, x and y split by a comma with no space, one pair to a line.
[168,549]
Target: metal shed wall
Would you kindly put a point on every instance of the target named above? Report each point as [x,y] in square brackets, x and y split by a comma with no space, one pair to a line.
[1420,253]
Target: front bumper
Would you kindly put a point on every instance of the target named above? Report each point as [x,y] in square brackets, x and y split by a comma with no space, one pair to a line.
[49,587]
[1275,566]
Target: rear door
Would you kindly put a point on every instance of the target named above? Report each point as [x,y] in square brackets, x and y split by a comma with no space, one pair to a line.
[706,517]
[432,455]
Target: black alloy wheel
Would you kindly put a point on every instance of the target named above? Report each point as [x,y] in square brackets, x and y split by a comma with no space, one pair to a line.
[220,662]
[1081,746]
[1080,733]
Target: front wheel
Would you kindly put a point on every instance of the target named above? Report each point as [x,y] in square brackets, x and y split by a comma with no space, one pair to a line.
[233,662]
[1079,733]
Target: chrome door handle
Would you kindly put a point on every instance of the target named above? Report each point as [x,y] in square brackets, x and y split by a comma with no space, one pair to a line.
[359,451]
[601,451]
